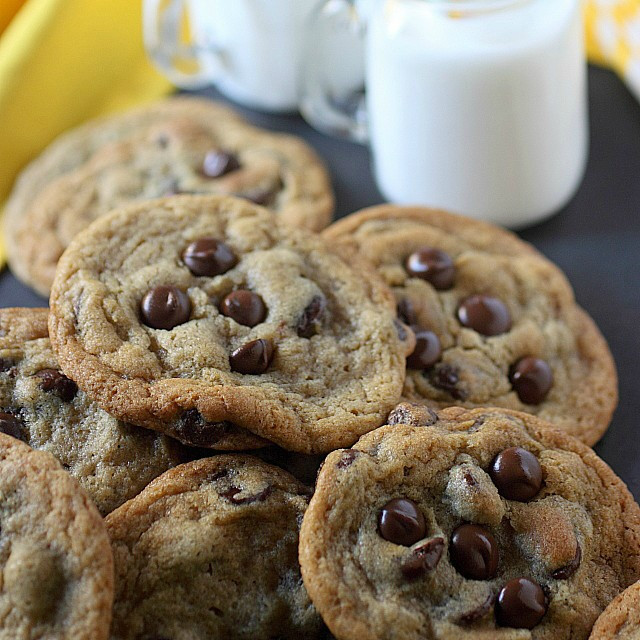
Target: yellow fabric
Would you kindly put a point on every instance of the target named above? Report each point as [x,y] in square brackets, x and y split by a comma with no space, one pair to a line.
[613,37]
[63,62]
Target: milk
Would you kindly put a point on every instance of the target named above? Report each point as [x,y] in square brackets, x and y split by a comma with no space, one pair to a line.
[258,45]
[484,114]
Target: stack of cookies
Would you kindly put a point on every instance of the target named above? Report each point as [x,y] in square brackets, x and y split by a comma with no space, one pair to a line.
[164,420]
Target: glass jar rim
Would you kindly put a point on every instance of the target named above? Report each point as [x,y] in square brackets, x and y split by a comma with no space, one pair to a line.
[472,6]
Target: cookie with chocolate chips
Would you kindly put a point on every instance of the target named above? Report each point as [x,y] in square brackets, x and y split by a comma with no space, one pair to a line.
[473,523]
[496,323]
[621,619]
[210,550]
[39,405]
[55,559]
[168,149]
[179,313]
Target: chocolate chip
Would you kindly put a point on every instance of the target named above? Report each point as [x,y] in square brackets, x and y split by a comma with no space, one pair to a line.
[253,357]
[260,195]
[531,379]
[219,163]
[346,459]
[193,429]
[479,612]
[484,314]
[245,307]
[165,307]
[423,559]
[517,474]
[55,382]
[400,521]
[406,312]
[444,376]
[474,552]
[310,321]
[432,265]
[416,415]
[427,350]
[6,364]
[564,573]
[231,493]
[521,604]
[11,426]
[209,257]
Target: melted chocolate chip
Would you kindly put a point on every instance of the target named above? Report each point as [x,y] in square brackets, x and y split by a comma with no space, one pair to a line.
[474,552]
[406,312]
[531,379]
[347,458]
[517,474]
[444,376]
[564,573]
[479,612]
[310,321]
[165,307]
[209,257]
[521,604]
[55,382]
[400,521]
[192,428]
[433,265]
[263,196]
[416,415]
[484,314]
[253,357]
[231,493]
[245,307]
[6,364]
[11,426]
[218,163]
[423,559]
[427,350]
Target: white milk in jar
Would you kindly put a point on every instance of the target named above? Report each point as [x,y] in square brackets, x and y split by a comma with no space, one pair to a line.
[478,106]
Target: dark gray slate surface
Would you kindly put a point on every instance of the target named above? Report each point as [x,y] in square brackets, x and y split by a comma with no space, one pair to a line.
[595,239]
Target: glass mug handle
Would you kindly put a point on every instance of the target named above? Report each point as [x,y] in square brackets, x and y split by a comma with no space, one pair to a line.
[332,82]
[172,43]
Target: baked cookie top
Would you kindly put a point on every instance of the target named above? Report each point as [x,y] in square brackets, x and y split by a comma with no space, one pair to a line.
[210,550]
[55,559]
[177,313]
[496,323]
[621,619]
[481,523]
[111,460]
[156,153]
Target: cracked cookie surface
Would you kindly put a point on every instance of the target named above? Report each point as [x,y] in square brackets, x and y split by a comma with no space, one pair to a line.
[210,550]
[480,523]
[55,559]
[621,619]
[496,323]
[111,460]
[179,313]
[175,146]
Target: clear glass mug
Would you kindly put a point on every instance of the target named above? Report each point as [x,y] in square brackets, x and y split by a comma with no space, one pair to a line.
[476,106]
[250,49]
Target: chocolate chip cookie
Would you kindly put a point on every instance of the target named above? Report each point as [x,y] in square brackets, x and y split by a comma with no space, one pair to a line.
[175,146]
[178,313]
[621,619]
[210,550]
[480,523]
[496,323]
[111,460]
[55,560]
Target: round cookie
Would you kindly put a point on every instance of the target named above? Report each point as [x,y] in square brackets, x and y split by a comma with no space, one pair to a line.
[621,619]
[496,322]
[175,146]
[281,337]
[55,560]
[209,550]
[481,523]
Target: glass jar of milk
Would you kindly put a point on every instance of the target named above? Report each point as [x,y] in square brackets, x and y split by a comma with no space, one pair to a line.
[477,106]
